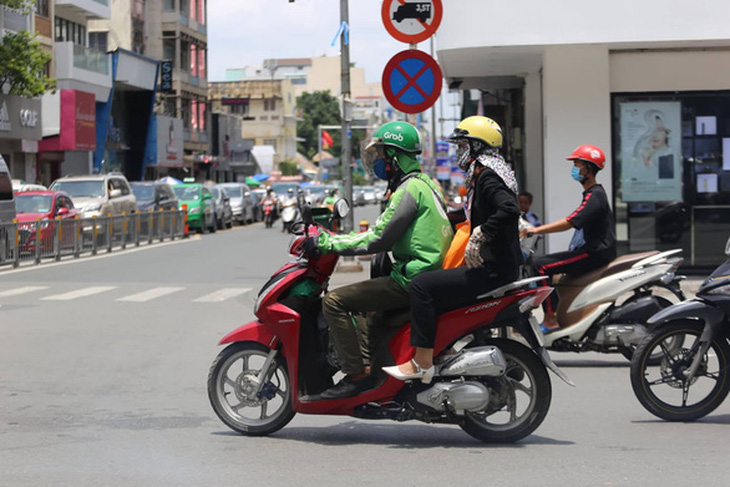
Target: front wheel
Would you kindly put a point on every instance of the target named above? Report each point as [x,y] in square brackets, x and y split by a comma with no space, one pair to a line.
[663,389]
[235,394]
[519,400]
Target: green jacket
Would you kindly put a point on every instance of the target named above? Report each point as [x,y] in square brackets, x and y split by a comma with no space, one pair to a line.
[414,226]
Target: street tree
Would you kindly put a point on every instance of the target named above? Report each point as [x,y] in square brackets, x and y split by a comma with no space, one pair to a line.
[23,60]
[318,108]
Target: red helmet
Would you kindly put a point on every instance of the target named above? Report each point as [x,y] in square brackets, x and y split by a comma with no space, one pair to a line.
[589,153]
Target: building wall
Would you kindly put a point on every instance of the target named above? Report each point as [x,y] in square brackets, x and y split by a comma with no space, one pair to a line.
[580,22]
[673,70]
[119,26]
[576,111]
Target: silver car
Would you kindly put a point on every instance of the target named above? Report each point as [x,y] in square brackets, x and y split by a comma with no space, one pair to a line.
[98,194]
[242,204]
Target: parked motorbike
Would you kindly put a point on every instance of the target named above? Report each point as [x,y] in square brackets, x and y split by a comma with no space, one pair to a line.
[495,389]
[692,339]
[594,312]
[269,207]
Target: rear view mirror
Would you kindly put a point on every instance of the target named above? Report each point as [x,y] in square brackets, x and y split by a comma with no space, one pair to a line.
[341,208]
[62,211]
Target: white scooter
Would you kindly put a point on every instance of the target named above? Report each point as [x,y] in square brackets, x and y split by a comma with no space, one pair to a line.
[289,213]
[606,310]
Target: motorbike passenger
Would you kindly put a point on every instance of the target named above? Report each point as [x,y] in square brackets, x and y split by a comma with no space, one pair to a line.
[594,241]
[493,256]
[413,226]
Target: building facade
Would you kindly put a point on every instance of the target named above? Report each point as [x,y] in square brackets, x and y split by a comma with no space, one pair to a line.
[646,82]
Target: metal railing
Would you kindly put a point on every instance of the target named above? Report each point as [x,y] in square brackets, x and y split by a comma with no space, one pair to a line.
[54,239]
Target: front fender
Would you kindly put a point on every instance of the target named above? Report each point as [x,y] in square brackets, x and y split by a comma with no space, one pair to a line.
[254,331]
[694,309]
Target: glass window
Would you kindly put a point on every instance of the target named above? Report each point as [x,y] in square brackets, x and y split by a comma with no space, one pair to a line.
[201,62]
[201,12]
[6,187]
[143,192]
[33,203]
[93,189]
[98,41]
[169,5]
[41,7]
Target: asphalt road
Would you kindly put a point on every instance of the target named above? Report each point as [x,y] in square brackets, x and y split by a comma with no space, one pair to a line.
[109,388]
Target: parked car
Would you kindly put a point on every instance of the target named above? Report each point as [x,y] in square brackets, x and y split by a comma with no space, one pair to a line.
[20,186]
[318,193]
[44,206]
[223,211]
[99,194]
[7,200]
[358,196]
[370,195]
[242,203]
[154,195]
[200,203]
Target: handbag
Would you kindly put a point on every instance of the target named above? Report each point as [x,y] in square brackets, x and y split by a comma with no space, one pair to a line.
[455,255]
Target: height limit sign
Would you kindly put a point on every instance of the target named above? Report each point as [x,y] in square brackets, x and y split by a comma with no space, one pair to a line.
[411,22]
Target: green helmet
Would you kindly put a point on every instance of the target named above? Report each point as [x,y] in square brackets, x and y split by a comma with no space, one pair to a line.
[401,136]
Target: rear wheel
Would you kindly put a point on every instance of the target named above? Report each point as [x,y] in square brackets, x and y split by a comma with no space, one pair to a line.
[519,400]
[663,389]
[235,394]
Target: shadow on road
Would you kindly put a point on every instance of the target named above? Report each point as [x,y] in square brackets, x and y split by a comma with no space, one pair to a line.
[718,419]
[567,364]
[397,436]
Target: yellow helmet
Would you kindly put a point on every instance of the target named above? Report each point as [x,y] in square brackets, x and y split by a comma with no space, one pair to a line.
[478,128]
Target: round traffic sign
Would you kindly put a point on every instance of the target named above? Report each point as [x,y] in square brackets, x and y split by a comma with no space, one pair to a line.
[412,81]
[411,22]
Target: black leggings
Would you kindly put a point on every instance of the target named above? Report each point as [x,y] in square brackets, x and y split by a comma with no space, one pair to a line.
[569,262]
[436,291]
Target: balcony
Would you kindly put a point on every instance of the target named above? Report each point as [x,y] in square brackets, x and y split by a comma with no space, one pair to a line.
[81,68]
[91,9]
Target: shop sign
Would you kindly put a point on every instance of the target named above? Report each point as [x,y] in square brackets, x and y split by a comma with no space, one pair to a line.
[169,142]
[20,118]
[651,151]
[78,123]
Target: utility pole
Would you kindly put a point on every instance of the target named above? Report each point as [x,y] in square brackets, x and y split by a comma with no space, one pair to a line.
[433,130]
[346,114]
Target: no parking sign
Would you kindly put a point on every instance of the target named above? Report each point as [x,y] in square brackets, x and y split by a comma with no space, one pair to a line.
[412,81]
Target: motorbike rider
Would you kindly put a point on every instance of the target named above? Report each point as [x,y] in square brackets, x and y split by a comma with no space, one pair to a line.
[331,198]
[594,241]
[493,256]
[270,196]
[414,226]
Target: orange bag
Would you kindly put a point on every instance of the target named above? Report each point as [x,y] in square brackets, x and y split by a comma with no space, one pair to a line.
[455,254]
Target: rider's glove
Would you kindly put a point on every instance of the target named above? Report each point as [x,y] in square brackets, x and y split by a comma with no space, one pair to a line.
[310,247]
[471,254]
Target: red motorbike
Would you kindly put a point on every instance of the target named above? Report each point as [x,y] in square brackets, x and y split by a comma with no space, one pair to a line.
[496,389]
[268,206]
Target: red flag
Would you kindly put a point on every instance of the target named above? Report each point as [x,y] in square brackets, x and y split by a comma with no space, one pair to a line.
[326,140]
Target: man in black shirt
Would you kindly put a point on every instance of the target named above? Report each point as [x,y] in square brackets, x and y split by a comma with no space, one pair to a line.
[594,241]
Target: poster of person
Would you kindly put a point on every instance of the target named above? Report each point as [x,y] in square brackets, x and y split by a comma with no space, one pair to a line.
[651,151]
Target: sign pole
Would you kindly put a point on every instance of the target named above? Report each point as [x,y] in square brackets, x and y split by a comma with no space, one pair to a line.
[433,130]
[346,115]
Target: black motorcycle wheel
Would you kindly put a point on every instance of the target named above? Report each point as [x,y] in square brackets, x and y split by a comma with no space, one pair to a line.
[663,390]
[232,395]
[519,400]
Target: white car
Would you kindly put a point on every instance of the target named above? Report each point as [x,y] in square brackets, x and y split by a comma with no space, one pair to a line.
[20,186]
[98,194]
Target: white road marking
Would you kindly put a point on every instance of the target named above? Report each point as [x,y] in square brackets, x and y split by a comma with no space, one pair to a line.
[151,294]
[222,295]
[22,290]
[81,293]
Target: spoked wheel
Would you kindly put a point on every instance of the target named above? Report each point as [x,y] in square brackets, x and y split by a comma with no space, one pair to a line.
[663,389]
[237,397]
[519,400]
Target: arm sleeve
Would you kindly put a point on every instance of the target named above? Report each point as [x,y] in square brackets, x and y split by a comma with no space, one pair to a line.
[401,211]
[589,209]
[500,197]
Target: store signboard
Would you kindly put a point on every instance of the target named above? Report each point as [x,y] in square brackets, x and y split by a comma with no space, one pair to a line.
[651,151]
[20,118]
[443,161]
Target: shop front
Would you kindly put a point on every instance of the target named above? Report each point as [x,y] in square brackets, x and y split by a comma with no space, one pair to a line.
[20,131]
[166,144]
[69,152]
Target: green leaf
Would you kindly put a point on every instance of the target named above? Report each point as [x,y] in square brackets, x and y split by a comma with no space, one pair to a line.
[22,64]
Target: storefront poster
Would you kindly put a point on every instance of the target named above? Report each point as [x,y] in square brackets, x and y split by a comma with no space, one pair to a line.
[169,142]
[651,151]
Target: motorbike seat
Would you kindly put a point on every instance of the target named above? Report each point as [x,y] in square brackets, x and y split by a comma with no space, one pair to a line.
[615,266]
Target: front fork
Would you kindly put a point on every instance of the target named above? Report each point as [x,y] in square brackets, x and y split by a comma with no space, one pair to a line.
[530,330]
[264,372]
